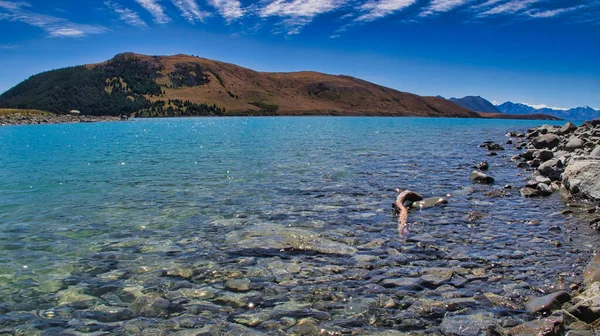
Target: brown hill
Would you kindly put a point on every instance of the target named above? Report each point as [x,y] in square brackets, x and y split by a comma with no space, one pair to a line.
[240,90]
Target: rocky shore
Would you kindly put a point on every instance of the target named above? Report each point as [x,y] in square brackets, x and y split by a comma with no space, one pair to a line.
[49,118]
[563,160]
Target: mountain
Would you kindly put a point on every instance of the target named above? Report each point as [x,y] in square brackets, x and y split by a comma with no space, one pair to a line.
[476,103]
[577,113]
[187,85]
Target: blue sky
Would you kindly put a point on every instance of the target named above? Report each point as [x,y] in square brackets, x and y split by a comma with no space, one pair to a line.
[540,52]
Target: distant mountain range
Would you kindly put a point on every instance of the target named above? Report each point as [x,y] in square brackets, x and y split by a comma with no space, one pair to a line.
[476,103]
[577,113]
[479,104]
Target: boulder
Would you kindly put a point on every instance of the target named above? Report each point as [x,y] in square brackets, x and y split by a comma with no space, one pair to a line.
[479,177]
[573,144]
[546,141]
[552,169]
[547,303]
[591,273]
[544,155]
[582,179]
[567,128]
[596,152]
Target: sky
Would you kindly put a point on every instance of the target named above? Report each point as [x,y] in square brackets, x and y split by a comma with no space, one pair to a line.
[538,52]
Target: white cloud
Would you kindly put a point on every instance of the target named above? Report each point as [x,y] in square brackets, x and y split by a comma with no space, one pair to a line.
[157,11]
[552,12]
[229,9]
[190,10]
[510,7]
[127,15]
[440,6]
[541,106]
[54,26]
[378,9]
[299,12]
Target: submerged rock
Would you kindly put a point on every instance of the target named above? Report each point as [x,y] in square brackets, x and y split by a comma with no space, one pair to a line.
[467,325]
[273,238]
[479,177]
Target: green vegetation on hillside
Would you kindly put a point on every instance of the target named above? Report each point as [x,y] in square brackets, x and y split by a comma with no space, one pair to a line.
[114,88]
[178,108]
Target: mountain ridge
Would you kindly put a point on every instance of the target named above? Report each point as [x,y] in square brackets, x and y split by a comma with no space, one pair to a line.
[576,113]
[476,103]
[181,85]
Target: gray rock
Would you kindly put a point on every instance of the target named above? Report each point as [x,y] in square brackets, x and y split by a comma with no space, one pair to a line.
[467,325]
[591,273]
[596,152]
[546,141]
[150,306]
[567,128]
[547,327]
[582,179]
[573,144]
[530,192]
[544,155]
[544,189]
[552,169]
[547,303]
[238,285]
[479,177]
[405,283]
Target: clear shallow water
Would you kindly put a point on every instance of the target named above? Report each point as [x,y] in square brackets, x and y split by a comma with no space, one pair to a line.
[85,206]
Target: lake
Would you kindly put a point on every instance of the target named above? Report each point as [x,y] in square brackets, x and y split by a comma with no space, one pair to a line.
[277,225]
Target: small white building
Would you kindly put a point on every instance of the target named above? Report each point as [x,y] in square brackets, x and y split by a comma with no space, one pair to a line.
[75,112]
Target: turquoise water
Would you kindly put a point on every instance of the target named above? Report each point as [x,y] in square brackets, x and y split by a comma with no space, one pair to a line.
[80,201]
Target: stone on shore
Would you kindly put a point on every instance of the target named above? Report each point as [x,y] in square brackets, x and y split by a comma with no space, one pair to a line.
[547,303]
[567,128]
[582,179]
[479,177]
[591,273]
[573,144]
[552,169]
[548,141]
[596,152]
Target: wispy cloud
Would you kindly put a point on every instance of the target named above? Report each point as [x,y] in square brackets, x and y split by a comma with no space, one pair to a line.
[156,10]
[229,9]
[127,15]
[552,12]
[54,26]
[510,7]
[440,6]
[299,12]
[7,47]
[190,10]
[373,10]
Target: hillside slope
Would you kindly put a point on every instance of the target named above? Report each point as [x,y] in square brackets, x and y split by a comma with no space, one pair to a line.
[187,85]
[476,103]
